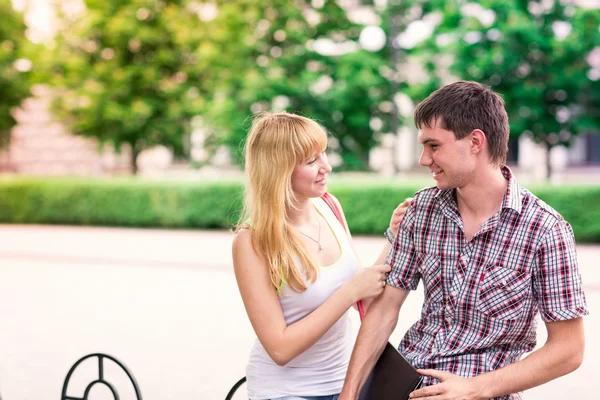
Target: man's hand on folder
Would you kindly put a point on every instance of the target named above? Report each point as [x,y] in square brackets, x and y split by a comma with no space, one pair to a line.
[450,387]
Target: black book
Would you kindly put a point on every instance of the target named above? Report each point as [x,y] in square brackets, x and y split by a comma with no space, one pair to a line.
[392,378]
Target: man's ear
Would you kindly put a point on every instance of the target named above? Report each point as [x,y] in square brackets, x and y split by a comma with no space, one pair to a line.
[478,141]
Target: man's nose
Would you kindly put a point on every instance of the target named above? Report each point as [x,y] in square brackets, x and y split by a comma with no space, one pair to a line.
[425,159]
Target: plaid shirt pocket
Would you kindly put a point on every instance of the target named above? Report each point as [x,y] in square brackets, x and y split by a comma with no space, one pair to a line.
[502,292]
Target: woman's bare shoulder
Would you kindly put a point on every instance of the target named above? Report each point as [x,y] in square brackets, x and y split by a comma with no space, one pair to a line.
[242,238]
[242,245]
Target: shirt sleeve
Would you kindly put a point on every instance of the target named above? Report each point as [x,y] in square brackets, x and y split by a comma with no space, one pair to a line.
[402,256]
[557,281]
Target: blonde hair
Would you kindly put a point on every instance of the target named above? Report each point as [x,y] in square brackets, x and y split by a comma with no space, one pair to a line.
[276,143]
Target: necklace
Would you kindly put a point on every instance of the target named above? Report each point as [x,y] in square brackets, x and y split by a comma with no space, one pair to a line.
[315,240]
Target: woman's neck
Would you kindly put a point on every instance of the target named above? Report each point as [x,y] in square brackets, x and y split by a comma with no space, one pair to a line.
[302,213]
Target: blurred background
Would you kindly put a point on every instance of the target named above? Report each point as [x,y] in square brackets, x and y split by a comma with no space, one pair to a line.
[132,114]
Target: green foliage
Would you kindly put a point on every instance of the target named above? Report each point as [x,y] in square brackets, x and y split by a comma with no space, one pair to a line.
[138,71]
[119,203]
[217,204]
[125,72]
[277,67]
[273,60]
[517,49]
[14,84]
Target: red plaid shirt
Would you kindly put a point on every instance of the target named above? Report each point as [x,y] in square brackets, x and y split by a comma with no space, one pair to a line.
[482,296]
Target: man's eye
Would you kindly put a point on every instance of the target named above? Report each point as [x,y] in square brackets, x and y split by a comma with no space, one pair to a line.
[312,161]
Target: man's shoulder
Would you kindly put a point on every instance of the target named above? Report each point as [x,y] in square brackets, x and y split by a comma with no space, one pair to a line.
[536,206]
[427,195]
[429,201]
[539,213]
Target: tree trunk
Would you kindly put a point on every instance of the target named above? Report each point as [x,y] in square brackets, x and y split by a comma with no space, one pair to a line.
[548,164]
[135,152]
[394,85]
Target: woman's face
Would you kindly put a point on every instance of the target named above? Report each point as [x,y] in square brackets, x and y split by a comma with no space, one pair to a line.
[309,178]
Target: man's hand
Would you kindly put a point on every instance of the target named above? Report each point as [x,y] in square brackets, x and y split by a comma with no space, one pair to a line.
[452,387]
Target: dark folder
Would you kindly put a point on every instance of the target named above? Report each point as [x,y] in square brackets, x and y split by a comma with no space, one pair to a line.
[392,378]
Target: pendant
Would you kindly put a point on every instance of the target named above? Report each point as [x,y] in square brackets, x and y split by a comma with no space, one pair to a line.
[320,247]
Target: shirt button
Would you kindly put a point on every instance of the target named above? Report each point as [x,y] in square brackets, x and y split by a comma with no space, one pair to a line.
[453,293]
[433,348]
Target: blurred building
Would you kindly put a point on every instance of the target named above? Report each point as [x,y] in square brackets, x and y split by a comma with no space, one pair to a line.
[41,146]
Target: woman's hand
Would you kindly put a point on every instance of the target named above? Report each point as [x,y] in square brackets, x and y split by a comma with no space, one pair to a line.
[369,282]
[398,215]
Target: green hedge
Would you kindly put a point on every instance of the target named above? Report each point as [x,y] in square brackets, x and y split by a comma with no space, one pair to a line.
[129,202]
[119,203]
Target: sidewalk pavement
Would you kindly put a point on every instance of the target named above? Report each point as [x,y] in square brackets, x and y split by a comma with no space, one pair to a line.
[166,304]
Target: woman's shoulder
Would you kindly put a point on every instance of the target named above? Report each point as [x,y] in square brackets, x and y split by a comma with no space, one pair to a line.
[242,238]
[243,246]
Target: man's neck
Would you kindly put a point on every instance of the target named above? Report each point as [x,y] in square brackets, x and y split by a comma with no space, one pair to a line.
[483,196]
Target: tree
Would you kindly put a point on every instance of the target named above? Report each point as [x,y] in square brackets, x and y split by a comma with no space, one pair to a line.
[535,55]
[302,57]
[124,72]
[224,60]
[14,68]
[275,65]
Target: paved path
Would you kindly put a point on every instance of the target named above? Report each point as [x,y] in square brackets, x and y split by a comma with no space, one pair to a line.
[166,304]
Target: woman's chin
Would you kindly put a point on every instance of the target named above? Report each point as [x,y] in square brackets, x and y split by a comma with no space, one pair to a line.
[319,190]
[322,189]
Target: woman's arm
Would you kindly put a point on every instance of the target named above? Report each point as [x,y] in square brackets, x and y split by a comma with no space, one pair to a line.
[283,342]
[395,222]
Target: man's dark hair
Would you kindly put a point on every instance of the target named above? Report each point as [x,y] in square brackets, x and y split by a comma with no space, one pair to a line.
[463,106]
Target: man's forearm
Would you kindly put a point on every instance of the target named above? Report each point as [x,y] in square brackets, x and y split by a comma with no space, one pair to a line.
[554,359]
[371,341]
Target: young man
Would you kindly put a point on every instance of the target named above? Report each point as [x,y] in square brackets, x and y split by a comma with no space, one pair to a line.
[490,254]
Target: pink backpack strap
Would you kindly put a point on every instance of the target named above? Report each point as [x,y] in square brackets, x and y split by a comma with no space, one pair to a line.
[327,198]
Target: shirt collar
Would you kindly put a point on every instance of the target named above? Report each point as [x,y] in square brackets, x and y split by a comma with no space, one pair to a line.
[512,198]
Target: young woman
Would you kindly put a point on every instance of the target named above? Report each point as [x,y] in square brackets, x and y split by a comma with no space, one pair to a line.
[294,264]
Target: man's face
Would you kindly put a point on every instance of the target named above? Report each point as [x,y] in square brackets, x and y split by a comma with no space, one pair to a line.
[450,161]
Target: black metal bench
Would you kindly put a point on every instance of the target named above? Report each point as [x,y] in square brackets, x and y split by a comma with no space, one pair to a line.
[101,379]
[234,388]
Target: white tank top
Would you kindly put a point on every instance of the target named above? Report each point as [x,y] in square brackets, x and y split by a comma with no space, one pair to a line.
[321,369]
